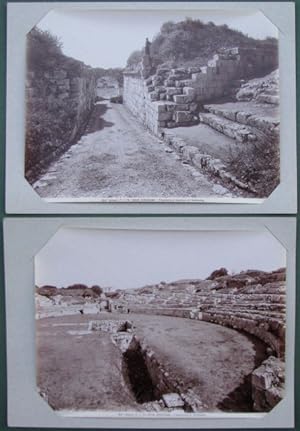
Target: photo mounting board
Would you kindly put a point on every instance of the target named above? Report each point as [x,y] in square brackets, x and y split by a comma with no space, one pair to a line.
[20,196]
[23,238]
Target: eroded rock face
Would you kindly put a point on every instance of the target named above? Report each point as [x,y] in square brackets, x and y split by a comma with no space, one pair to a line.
[263,90]
[268,384]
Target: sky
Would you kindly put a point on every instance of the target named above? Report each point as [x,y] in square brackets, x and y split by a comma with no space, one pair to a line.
[124,259]
[106,38]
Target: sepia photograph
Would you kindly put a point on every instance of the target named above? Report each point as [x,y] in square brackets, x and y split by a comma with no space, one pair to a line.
[152,105]
[160,322]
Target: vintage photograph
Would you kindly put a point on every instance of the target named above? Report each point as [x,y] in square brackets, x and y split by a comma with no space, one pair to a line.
[160,322]
[152,105]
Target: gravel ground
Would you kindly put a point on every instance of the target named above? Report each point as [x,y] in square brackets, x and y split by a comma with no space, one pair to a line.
[118,158]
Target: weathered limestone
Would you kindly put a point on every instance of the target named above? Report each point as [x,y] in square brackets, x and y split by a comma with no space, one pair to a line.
[268,384]
[253,302]
[205,162]
[229,128]
[264,90]
[109,325]
[173,400]
[188,86]
[61,92]
[255,115]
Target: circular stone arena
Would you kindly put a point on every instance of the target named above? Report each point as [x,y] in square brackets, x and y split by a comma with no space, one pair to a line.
[79,369]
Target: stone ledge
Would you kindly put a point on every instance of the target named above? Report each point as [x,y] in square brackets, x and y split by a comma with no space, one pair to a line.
[205,162]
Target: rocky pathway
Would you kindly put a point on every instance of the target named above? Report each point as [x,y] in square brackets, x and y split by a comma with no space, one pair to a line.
[118,158]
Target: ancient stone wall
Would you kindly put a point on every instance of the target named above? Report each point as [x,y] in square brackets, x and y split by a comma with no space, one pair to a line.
[268,384]
[137,99]
[171,97]
[253,302]
[58,105]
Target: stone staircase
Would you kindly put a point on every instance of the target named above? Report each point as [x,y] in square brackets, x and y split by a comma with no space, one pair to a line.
[245,122]
[186,87]
[230,128]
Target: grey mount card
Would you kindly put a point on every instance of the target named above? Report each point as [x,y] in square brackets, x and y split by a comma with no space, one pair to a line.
[151,108]
[150,322]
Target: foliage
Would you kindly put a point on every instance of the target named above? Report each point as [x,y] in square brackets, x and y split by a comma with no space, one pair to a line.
[77,286]
[193,42]
[43,50]
[113,295]
[52,118]
[97,290]
[134,58]
[116,73]
[47,291]
[258,164]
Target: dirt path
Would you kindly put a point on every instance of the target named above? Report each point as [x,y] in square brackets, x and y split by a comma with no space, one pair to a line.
[118,158]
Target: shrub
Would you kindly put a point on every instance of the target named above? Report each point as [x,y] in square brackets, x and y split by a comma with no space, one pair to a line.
[97,290]
[257,164]
[194,41]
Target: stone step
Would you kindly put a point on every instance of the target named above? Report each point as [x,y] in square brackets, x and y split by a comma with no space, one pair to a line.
[242,313]
[228,128]
[265,297]
[259,116]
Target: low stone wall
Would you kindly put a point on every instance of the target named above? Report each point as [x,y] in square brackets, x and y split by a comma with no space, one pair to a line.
[109,325]
[206,163]
[168,384]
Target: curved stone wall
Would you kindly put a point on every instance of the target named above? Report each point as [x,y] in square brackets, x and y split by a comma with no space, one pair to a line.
[253,302]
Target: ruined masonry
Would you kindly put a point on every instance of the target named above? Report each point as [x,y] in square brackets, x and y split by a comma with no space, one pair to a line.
[170,97]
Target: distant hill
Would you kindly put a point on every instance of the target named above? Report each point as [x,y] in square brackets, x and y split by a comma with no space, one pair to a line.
[192,42]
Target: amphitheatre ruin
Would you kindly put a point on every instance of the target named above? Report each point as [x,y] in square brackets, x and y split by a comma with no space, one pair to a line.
[183,347]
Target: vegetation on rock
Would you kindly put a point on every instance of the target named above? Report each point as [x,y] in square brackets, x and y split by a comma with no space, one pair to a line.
[192,42]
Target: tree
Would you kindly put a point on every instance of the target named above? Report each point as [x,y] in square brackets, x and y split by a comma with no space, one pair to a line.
[134,59]
[44,50]
[97,290]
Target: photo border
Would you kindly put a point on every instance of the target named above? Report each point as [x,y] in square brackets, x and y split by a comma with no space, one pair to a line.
[23,238]
[20,196]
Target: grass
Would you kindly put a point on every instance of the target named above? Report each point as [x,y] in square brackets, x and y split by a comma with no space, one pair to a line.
[85,371]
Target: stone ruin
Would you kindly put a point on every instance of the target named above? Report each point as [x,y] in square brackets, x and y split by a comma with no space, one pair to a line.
[171,97]
[107,87]
[141,366]
[253,302]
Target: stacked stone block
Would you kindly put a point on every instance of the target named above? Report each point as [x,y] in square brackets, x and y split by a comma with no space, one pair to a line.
[185,88]
[62,93]
[268,384]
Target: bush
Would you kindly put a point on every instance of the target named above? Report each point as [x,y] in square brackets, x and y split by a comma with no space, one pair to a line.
[194,41]
[52,122]
[258,164]
[43,50]
[218,273]
[97,290]
[134,59]
[77,286]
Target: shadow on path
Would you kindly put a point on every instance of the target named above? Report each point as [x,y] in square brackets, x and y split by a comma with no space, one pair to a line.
[96,122]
